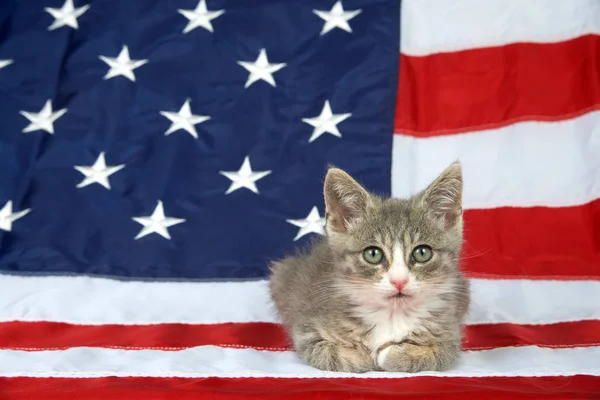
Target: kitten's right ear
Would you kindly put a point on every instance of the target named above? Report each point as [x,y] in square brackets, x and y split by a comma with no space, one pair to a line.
[346,201]
[444,195]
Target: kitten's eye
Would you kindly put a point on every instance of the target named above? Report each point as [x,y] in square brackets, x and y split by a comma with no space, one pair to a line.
[373,255]
[422,253]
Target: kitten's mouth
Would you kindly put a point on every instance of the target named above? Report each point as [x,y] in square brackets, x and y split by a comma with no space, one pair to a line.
[398,295]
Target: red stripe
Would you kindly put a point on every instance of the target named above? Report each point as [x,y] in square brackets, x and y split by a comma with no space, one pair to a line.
[533,242]
[490,388]
[559,335]
[54,335]
[34,336]
[490,87]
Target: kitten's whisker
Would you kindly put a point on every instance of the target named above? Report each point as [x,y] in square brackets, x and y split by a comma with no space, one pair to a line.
[474,255]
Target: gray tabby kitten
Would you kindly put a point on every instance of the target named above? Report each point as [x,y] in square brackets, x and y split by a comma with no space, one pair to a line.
[382,290]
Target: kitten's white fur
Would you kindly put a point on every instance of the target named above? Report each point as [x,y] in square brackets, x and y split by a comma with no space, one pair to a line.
[398,270]
[393,319]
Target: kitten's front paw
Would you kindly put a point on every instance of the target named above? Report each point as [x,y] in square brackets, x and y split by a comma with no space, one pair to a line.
[408,357]
[329,356]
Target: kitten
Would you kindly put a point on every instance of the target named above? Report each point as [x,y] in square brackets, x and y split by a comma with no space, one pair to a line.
[382,289]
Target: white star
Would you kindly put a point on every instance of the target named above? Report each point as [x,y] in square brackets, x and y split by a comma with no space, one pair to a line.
[4,63]
[337,18]
[261,69]
[7,217]
[200,17]
[245,177]
[325,122]
[313,223]
[97,173]
[157,222]
[67,15]
[122,65]
[184,119]
[43,120]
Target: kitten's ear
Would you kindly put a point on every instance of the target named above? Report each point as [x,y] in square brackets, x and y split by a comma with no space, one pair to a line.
[346,201]
[444,196]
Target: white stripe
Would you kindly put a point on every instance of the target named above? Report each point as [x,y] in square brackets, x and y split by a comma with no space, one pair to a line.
[208,361]
[432,26]
[533,302]
[93,301]
[526,164]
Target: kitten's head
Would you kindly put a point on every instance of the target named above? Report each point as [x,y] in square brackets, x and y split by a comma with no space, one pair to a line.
[391,248]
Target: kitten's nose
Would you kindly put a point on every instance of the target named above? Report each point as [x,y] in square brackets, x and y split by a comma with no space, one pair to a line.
[399,284]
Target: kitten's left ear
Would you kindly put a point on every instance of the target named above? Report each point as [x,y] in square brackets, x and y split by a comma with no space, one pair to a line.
[444,196]
[346,201]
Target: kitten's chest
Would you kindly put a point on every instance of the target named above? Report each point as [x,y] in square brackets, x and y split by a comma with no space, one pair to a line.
[391,325]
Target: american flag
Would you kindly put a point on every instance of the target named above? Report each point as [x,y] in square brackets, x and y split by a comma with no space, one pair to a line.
[155,154]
